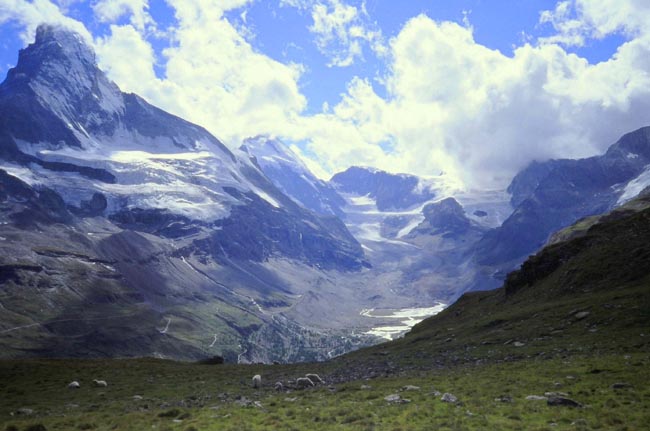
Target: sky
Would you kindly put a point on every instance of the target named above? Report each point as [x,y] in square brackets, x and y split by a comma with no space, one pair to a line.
[471,89]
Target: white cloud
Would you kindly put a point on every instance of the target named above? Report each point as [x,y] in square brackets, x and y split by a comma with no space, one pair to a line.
[213,76]
[31,14]
[457,106]
[577,21]
[135,75]
[450,104]
[341,30]
[112,10]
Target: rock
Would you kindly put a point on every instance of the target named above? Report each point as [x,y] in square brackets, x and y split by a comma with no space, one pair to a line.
[24,412]
[257,381]
[365,387]
[518,344]
[562,401]
[581,315]
[449,398]
[74,385]
[555,394]
[242,401]
[137,398]
[396,399]
[536,398]
[100,383]
[315,378]
[503,399]
[279,386]
[435,393]
[304,382]
[290,400]
[410,388]
[620,385]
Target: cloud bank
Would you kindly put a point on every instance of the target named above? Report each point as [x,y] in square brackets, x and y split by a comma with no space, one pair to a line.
[445,102]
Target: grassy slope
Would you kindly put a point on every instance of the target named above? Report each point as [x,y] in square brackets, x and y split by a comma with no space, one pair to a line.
[532,337]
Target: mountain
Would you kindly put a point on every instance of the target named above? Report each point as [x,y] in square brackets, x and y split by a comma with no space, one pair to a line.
[285,169]
[390,191]
[584,295]
[551,195]
[128,231]
[564,345]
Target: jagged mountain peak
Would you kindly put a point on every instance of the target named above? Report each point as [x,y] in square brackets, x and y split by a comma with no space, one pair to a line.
[269,150]
[60,58]
[289,173]
[57,80]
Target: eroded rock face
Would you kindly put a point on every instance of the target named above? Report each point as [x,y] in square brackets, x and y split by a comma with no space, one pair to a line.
[444,217]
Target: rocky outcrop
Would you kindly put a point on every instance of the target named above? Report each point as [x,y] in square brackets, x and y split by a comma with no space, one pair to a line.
[446,217]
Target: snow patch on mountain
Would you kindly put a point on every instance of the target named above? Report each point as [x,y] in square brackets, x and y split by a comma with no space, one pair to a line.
[634,187]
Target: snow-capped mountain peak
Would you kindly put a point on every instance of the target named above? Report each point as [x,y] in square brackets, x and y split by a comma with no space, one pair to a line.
[269,151]
[291,175]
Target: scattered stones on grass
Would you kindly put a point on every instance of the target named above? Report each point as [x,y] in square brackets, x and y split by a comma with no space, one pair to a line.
[410,388]
[555,394]
[315,378]
[23,411]
[562,401]
[503,399]
[100,383]
[396,399]
[74,385]
[449,398]
[581,315]
[304,382]
[365,387]
[242,401]
[536,398]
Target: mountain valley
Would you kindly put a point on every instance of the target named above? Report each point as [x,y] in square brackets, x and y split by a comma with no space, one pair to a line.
[127,231]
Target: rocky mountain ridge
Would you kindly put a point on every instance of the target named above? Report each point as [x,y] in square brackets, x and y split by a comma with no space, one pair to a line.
[128,231]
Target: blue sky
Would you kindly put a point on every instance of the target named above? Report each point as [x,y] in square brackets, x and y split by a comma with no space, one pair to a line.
[474,88]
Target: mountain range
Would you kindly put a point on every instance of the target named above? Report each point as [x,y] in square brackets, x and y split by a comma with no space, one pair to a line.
[127,231]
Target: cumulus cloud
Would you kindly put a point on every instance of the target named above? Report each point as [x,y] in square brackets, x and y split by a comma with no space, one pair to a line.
[447,103]
[457,106]
[112,10]
[212,75]
[31,14]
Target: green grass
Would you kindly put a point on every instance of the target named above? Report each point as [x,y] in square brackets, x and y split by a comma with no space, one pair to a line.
[179,396]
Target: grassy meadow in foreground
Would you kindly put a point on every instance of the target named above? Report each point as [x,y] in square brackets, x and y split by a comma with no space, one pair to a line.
[163,395]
